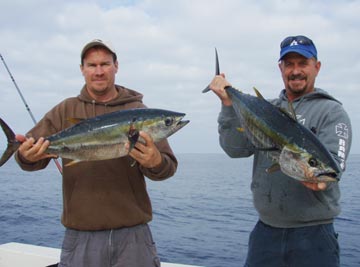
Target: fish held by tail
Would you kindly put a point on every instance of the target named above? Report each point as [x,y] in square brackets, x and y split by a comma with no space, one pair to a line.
[12,143]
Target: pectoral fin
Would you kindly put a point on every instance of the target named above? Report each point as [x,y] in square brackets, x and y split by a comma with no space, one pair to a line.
[133,135]
[291,113]
[273,168]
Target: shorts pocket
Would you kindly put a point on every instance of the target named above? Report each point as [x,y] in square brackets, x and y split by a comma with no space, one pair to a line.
[70,240]
[151,245]
[68,247]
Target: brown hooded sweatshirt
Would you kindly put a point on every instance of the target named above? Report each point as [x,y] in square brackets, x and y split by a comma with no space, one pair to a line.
[107,194]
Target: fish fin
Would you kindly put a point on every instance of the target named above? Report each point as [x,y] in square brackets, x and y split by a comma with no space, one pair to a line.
[207,89]
[72,163]
[133,163]
[217,65]
[313,130]
[12,144]
[290,113]
[273,168]
[217,70]
[133,135]
[258,94]
[74,120]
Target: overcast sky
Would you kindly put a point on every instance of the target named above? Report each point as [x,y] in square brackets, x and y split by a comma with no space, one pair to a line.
[166,51]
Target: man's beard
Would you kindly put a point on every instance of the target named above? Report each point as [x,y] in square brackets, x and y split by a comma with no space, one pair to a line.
[297,91]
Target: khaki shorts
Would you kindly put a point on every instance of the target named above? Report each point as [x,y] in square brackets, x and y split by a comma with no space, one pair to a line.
[124,247]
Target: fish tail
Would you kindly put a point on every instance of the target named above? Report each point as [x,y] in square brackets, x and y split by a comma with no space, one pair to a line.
[12,145]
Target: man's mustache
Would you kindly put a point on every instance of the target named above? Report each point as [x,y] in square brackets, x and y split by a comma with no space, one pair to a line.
[297,77]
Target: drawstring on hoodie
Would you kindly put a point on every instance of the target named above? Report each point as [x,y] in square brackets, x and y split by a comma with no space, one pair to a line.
[93,102]
[125,98]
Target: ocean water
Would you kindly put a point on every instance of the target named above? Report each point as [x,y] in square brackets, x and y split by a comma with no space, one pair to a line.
[202,215]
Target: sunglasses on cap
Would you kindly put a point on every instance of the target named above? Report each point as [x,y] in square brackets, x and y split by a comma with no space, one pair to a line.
[300,39]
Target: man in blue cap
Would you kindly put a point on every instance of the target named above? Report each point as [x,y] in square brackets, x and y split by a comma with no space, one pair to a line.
[295,226]
[299,65]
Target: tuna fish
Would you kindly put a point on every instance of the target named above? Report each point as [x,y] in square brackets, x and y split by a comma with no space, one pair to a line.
[104,137]
[295,149]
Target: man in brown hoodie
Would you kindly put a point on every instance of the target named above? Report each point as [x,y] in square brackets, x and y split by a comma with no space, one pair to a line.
[106,207]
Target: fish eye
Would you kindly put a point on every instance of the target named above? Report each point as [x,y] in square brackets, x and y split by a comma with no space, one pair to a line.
[313,162]
[169,121]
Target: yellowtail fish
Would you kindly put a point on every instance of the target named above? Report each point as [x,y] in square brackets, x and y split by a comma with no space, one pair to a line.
[297,152]
[104,137]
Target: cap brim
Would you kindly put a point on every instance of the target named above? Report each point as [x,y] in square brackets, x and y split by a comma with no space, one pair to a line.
[96,43]
[296,49]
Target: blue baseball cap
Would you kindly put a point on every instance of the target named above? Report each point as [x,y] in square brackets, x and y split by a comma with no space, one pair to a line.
[298,44]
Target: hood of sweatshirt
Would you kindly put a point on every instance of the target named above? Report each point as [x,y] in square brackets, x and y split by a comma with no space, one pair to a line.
[317,93]
[124,96]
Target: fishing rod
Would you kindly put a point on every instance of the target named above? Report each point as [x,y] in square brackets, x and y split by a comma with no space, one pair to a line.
[26,105]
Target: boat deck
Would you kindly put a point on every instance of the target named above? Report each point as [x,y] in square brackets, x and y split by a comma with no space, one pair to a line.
[19,255]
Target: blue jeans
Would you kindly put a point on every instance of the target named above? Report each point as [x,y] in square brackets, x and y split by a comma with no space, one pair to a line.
[310,246]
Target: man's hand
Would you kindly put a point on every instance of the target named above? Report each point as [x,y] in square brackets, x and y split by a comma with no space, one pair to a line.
[218,85]
[33,151]
[315,186]
[147,154]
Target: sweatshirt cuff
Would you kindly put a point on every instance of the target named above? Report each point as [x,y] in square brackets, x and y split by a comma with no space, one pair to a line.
[160,167]
[228,111]
[22,160]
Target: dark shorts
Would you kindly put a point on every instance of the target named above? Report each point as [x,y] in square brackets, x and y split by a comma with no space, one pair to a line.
[310,246]
[124,247]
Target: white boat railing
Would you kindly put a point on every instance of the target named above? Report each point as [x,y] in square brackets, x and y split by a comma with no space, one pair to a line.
[19,255]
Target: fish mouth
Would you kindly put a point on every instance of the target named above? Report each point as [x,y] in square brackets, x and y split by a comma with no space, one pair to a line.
[181,124]
[177,125]
[327,177]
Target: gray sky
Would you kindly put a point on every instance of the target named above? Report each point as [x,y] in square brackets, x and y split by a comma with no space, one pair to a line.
[166,51]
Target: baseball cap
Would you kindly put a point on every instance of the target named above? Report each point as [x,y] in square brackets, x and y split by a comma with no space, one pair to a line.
[97,42]
[298,44]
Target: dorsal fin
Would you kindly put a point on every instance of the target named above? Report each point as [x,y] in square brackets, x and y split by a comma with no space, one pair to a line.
[258,94]
[133,134]
[288,113]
